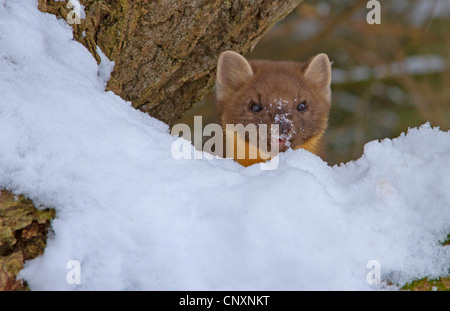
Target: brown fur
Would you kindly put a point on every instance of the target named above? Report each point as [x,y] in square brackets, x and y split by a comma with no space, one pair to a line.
[277,87]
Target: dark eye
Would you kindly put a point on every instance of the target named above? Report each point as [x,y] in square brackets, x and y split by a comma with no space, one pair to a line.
[255,107]
[302,106]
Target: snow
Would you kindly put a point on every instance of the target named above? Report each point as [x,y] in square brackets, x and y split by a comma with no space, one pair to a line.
[105,67]
[426,9]
[411,65]
[135,218]
[77,7]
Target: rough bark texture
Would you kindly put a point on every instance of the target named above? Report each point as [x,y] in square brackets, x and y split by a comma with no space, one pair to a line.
[23,236]
[165,52]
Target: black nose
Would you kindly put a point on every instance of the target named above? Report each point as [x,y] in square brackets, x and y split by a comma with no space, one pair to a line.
[285,127]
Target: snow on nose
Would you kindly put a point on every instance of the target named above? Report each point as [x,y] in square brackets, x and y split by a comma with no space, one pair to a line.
[285,125]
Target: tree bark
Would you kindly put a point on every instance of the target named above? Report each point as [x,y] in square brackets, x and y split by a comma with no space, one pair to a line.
[165,52]
[23,236]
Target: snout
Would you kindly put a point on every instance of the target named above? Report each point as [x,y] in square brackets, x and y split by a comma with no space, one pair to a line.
[285,128]
[283,135]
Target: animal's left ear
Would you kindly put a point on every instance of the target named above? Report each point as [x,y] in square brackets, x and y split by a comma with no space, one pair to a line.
[318,70]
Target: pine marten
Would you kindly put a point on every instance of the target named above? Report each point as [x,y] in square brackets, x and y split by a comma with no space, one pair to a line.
[295,96]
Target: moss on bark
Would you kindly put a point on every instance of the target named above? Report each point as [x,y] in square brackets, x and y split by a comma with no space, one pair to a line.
[23,236]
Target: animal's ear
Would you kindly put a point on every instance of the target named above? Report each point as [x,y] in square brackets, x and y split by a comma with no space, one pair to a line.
[318,70]
[232,71]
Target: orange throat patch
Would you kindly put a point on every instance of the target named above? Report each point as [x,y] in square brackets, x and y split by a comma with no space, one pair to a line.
[246,154]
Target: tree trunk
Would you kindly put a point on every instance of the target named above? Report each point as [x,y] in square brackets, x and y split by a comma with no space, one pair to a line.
[23,236]
[165,52]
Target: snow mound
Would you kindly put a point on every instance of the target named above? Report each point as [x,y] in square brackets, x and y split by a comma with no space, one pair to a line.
[137,219]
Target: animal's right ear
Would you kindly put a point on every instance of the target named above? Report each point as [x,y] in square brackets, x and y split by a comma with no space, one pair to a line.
[232,71]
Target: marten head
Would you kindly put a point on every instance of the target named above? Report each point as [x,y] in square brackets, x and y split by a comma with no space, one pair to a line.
[295,96]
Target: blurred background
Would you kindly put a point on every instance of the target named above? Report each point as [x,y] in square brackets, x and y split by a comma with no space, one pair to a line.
[385,77]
